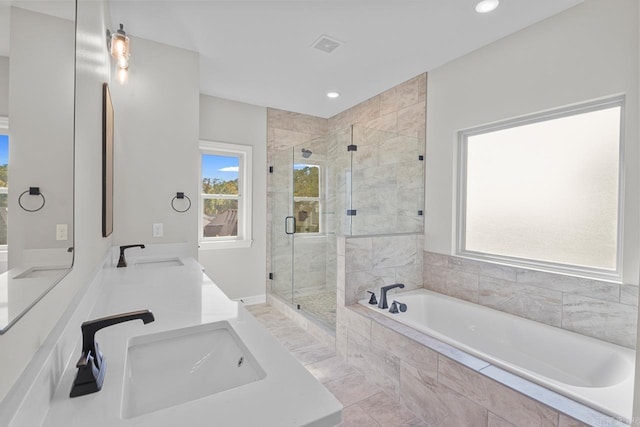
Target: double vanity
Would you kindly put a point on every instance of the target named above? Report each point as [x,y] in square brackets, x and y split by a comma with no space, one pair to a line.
[204,360]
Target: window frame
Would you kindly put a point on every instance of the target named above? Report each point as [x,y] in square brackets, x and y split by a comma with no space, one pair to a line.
[244,153]
[614,275]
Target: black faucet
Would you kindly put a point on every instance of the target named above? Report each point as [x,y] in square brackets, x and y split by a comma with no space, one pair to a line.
[372,300]
[383,294]
[92,365]
[397,305]
[123,262]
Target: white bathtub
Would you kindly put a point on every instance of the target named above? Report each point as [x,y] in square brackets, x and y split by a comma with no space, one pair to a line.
[593,372]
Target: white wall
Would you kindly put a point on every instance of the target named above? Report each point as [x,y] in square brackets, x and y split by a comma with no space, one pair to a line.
[4,85]
[41,129]
[23,339]
[587,52]
[636,395]
[240,272]
[156,143]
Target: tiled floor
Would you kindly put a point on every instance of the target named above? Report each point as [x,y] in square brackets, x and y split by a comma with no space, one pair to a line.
[320,304]
[365,404]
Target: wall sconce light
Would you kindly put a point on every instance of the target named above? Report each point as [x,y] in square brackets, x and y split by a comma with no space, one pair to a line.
[118,44]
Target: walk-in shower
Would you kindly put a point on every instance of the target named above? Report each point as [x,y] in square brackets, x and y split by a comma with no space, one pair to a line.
[354,181]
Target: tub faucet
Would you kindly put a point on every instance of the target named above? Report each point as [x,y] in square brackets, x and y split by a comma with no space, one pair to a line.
[383,294]
[372,300]
[397,305]
[122,262]
[92,365]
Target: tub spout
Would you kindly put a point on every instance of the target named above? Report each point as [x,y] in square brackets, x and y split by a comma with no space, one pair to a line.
[383,294]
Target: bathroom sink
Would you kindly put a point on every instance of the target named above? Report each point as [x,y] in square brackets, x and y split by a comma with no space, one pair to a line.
[156,263]
[174,367]
[37,272]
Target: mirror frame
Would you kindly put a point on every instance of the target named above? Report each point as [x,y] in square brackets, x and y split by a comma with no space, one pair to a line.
[107,161]
[66,271]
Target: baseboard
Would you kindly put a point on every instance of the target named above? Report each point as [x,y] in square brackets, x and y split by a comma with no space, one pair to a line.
[252,300]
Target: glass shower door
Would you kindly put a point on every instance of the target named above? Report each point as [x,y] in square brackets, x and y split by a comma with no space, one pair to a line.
[310,189]
[311,239]
[282,227]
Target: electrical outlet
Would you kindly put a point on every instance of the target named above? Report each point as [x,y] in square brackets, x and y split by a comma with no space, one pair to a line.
[158,230]
[61,231]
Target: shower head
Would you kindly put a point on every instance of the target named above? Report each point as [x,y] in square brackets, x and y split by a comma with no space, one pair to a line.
[306,153]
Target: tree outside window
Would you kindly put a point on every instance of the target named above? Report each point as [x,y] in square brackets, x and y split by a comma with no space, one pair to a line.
[220,175]
[306,198]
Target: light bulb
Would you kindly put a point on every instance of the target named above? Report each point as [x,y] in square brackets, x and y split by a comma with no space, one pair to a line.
[332,95]
[123,62]
[122,75]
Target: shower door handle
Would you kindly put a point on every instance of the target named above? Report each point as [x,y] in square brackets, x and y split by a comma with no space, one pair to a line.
[287,222]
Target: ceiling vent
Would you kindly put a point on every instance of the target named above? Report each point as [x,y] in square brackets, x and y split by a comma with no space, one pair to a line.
[326,44]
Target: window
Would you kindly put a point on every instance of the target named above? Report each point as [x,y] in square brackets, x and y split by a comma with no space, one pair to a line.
[544,191]
[306,198]
[4,180]
[225,195]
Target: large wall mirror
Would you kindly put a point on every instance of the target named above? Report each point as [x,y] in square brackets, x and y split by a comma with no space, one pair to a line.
[37,80]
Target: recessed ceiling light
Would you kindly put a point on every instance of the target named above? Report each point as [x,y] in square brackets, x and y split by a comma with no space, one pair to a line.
[332,95]
[486,6]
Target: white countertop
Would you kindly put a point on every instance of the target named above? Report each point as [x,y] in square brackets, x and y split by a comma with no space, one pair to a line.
[183,296]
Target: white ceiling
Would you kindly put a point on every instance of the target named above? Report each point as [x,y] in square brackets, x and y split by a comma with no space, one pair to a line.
[260,52]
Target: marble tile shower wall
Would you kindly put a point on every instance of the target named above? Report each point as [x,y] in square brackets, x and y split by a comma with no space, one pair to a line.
[387,187]
[400,110]
[603,310]
[387,178]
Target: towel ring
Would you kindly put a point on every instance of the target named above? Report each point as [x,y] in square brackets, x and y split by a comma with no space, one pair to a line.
[180,195]
[33,191]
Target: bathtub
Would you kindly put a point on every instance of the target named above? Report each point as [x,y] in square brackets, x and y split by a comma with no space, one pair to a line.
[593,372]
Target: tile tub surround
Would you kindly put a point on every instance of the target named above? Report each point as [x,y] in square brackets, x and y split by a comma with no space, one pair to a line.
[365,404]
[603,310]
[445,386]
[366,263]
[423,373]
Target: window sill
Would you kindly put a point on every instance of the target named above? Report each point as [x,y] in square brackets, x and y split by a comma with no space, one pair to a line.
[311,236]
[224,244]
[546,267]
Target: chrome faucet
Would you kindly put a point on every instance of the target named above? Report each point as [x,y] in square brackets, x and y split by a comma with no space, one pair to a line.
[122,262]
[383,294]
[92,365]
